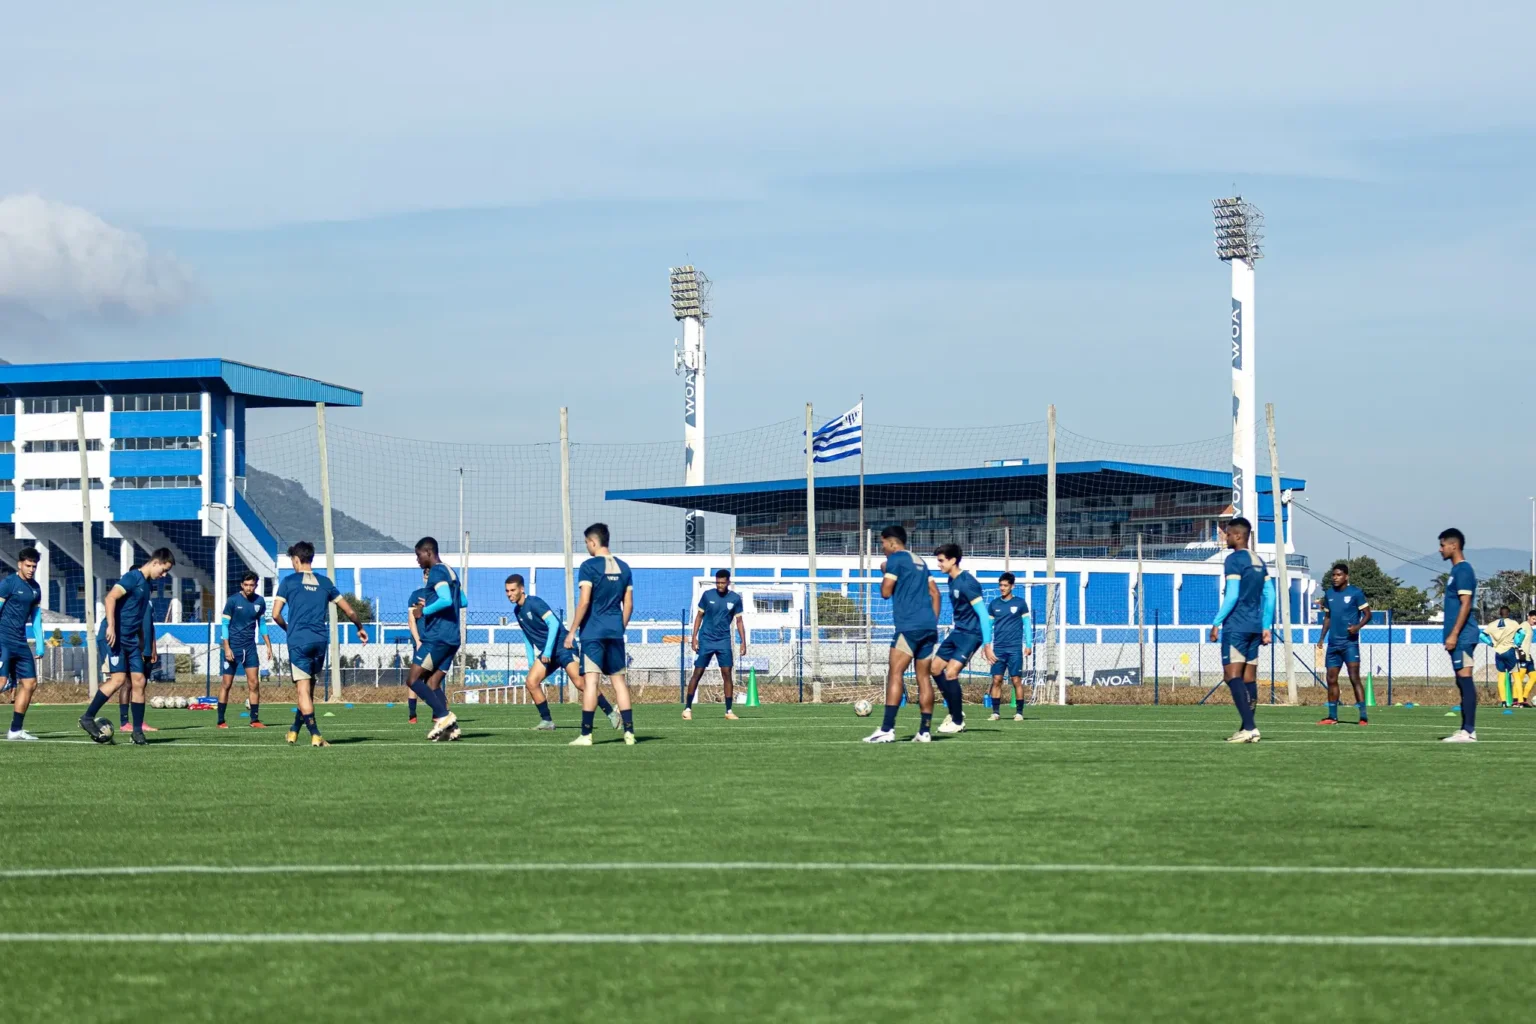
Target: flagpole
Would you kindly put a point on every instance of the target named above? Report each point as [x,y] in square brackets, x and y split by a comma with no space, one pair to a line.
[810,550]
[863,547]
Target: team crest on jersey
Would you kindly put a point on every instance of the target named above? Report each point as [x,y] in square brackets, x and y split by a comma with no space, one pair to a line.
[1014,609]
[1348,598]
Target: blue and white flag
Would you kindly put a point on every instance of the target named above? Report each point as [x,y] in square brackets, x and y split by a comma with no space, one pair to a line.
[840,438]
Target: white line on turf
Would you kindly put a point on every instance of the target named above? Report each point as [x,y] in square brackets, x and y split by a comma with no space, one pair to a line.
[101,871]
[767,939]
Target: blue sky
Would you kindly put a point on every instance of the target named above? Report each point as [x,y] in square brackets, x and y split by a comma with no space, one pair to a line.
[965,212]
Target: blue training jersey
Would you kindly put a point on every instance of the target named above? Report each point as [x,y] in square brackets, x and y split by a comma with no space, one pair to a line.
[1343,607]
[720,611]
[306,596]
[131,607]
[911,607]
[1463,581]
[609,579]
[1008,619]
[420,598]
[1248,569]
[963,589]
[244,617]
[442,626]
[530,616]
[21,599]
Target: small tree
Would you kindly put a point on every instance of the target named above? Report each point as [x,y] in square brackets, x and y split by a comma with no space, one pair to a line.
[359,605]
[76,639]
[833,609]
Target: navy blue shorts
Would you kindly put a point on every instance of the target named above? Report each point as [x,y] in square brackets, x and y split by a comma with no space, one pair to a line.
[559,658]
[1008,663]
[1464,655]
[125,657]
[917,643]
[308,660]
[721,655]
[434,655]
[603,656]
[244,658]
[1341,653]
[17,663]
[1239,648]
[1506,661]
[959,646]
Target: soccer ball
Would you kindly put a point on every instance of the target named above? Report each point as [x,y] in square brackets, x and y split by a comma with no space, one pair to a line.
[181,702]
[103,731]
[157,702]
[862,708]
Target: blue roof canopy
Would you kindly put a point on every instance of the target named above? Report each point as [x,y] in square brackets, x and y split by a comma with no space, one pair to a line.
[259,387]
[989,483]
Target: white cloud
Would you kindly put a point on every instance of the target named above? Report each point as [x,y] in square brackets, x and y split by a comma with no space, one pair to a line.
[60,261]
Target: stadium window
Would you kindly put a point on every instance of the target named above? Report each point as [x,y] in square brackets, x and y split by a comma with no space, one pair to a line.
[90,403]
[7,486]
[177,402]
[146,483]
[66,445]
[7,407]
[57,483]
[156,444]
[6,447]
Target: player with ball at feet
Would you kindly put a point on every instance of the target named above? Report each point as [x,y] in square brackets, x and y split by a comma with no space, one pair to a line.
[123,629]
[304,595]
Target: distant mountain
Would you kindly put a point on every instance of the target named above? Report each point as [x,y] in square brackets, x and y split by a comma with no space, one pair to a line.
[1487,562]
[293,515]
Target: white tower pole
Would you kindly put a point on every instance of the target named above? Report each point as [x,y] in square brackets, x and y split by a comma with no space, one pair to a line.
[1239,236]
[689,307]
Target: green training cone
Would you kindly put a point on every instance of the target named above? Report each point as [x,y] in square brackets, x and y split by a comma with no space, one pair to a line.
[751,688]
[1370,690]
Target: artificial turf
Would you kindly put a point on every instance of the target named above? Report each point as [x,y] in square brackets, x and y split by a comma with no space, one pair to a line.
[506,811]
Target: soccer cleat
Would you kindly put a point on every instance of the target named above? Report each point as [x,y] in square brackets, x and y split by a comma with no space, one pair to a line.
[98,729]
[318,741]
[413,720]
[222,725]
[687,714]
[258,725]
[19,736]
[950,727]
[441,726]
[923,737]
[881,736]
[994,717]
[453,734]
[148,728]
[731,716]
[1019,717]
[615,719]
[545,725]
[1244,736]
[139,739]
[293,737]
[1461,736]
[584,740]
[629,738]
[1365,721]
[1327,721]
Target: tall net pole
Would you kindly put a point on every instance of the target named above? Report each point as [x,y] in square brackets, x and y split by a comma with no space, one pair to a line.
[1141,613]
[330,549]
[88,561]
[810,550]
[1277,503]
[1052,673]
[463,616]
[565,517]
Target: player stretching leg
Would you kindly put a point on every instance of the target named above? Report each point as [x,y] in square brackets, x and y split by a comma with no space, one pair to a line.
[243,621]
[544,644]
[1461,630]
[123,630]
[1247,609]
[1345,611]
[602,615]
[21,605]
[914,601]
[972,631]
[1013,637]
[305,595]
[718,609]
[439,639]
[1502,635]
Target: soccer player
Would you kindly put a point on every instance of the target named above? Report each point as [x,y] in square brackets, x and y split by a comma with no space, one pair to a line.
[151,656]
[1345,610]
[544,643]
[972,630]
[1525,674]
[1460,629]
[439,639]
[1501,634]
[718,610]
[602,615]
[1013,638]
[914,598]
[21,605]
[413,606]
[1242,625]
[242,622]
[304,595]
[123,630]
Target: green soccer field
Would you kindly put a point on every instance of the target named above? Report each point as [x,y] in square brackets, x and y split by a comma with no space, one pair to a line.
[1091,863]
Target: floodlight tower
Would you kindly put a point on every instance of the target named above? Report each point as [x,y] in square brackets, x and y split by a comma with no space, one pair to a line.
[690,305]
[1239,238]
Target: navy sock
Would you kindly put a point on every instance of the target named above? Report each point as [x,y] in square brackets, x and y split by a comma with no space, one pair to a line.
[727,705]
[889,722]
[122,714]
[1253,695]
[424,692]
[543,710]
[586,722]
[603,705]
[1360,707]
[16,720]
[298,720]
[138,715]
[1333,709]
[255,712]
[97,703]
[441,707]
[1240,698]
[926,721]
[955,698]
[309,723]
[222,706]
[1468,702]
[628,716]
[411,703]
[688,701]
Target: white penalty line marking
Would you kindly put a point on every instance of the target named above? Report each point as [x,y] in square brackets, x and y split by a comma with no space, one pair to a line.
[881,867]
[766,939]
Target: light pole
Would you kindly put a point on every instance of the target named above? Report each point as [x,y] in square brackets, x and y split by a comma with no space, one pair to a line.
[690,307]
[1239,238]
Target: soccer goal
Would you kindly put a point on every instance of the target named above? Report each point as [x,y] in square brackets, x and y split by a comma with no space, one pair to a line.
[845,658]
